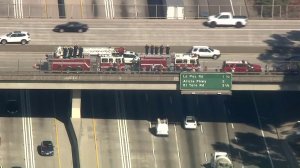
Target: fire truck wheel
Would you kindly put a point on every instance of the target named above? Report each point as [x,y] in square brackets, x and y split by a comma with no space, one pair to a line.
[68,69]
[23,42]
[3,42]
[78,69]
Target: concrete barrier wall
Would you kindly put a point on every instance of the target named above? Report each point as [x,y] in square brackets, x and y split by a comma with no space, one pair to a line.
[137,81]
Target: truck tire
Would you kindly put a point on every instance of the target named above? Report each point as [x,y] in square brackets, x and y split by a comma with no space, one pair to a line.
[68,69]
[23,42]
[3,42]
[213,24]
[238,25]
[78,69]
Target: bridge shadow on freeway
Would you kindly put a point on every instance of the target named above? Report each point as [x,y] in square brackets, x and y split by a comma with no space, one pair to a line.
[269,111]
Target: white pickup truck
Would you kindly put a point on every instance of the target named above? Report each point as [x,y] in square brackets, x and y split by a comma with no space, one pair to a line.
[226,19]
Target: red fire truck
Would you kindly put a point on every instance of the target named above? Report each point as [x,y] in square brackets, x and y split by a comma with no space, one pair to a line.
[78,51]
[153,63]
[87,64]
[97,63]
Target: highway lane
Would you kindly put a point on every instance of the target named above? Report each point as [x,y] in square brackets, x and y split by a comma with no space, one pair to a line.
[247,141]
[21,137]
[171,32]
[213,119]
[12,147]
[115,121]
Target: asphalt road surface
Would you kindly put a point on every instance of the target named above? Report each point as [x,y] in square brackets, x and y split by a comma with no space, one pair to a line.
[115,130]
[116,127]
[266,33]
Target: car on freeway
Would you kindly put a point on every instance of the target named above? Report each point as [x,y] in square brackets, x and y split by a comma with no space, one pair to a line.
[15,37]
[12,106]
[71,27]
[205,52]
[240,66]
[190,122]
[47,148]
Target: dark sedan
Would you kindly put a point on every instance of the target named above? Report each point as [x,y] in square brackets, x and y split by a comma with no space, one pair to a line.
[12,106]
[71,27]
[47,148]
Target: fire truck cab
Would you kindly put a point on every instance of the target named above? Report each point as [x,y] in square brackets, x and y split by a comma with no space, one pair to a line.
[186,63]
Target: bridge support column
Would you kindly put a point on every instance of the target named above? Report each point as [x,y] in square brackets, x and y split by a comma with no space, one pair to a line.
[76,104]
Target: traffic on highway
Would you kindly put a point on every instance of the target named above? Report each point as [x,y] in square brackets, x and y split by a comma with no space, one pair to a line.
[148,128]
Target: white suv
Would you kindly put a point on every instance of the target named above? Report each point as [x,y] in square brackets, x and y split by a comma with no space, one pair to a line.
[15,37]
[205,51]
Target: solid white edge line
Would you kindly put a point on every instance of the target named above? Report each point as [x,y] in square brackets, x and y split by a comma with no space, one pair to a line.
[177,147]
[153,146]
[260,125]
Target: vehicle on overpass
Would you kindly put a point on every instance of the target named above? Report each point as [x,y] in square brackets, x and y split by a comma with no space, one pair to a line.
[240,66]
[175,62]
[71,27]
[86,64]
[162,127]
[205,52]
[220,160]
[15,37]
[78,51]
[226,19]
[97,63]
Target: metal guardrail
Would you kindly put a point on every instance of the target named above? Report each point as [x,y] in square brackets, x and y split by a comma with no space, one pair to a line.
[133,11]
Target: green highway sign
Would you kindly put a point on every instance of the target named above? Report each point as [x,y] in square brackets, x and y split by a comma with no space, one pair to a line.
[205,81]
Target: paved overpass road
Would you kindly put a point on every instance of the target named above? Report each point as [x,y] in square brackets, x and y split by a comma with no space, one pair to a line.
[172,32]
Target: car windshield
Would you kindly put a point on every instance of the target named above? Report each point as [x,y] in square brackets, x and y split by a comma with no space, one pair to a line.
[211,49]
[47,144]
[190,119]
[218,15]
[9,34]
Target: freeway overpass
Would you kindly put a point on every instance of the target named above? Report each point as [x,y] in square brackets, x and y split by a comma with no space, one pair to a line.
[136,81]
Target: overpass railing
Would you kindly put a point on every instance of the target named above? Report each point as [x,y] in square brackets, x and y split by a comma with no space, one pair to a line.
[144,77]
[135,11]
